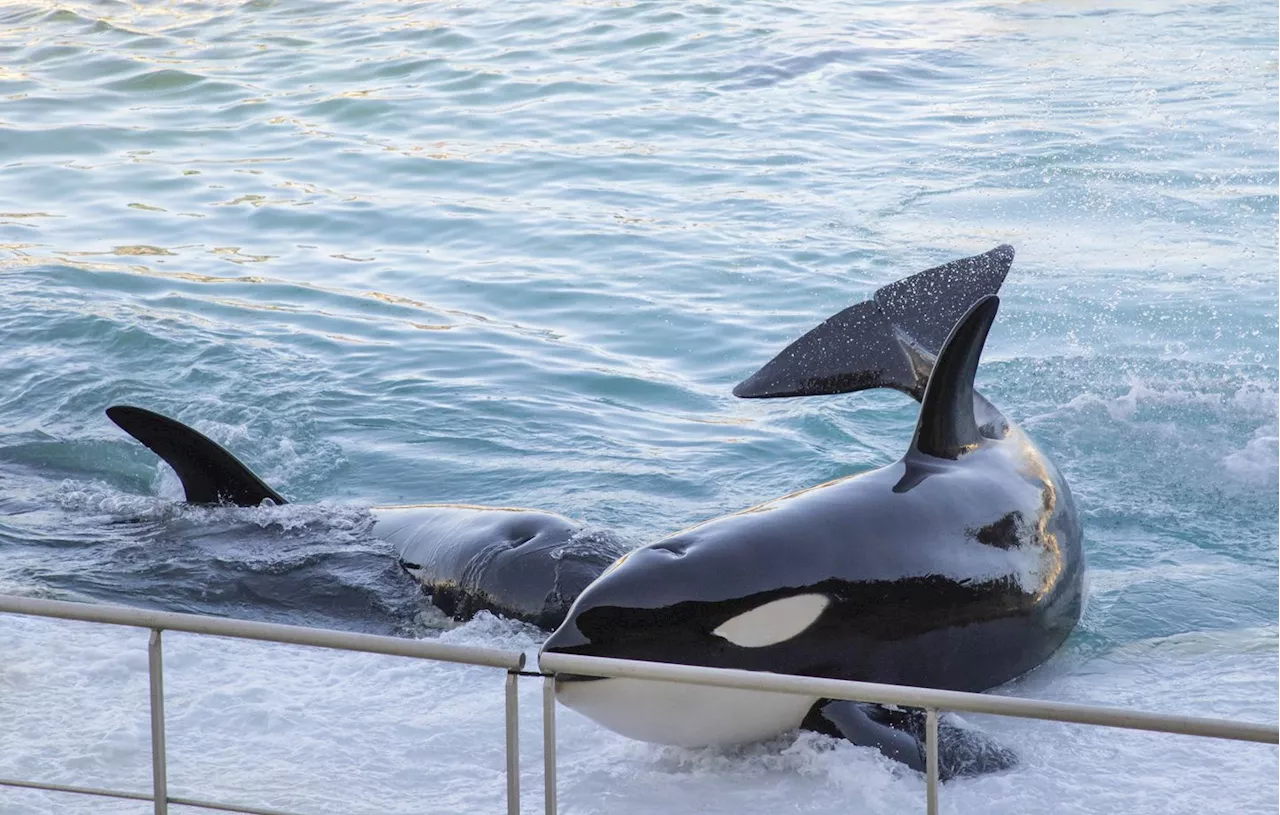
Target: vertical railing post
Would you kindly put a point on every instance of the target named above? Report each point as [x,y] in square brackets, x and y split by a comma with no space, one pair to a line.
[513,744]
[549,743]
[931,760]
[155,672]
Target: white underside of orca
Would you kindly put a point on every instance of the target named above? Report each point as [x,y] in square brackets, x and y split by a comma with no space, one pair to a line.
[684,715]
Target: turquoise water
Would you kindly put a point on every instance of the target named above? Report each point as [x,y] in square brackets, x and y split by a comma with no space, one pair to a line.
[519,253]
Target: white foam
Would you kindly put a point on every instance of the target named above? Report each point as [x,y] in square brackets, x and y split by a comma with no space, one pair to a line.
[1258,462]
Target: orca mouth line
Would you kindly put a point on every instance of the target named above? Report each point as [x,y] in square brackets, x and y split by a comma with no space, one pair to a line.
[578,678]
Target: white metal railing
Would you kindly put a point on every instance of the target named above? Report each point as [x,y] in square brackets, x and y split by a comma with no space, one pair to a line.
[931,700]
[158,621]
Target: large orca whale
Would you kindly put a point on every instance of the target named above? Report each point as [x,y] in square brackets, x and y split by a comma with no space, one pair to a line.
[521,563]
[958,567]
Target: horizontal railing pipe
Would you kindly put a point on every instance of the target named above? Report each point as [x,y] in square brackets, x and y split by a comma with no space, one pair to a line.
[141,796]
[909,696]
[98,791]
[266,632]
[220,807]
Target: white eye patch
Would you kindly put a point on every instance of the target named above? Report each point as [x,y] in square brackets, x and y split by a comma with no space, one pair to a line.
[773,622]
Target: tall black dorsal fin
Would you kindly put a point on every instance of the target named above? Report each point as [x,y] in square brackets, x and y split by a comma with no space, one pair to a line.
[946,427]
[886,342]
[209,474]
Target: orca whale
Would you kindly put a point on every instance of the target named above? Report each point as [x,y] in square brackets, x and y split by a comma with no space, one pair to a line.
[958,567]
[521,563]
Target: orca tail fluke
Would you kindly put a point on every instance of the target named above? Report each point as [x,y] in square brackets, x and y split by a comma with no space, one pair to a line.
[889,341]
[209,474]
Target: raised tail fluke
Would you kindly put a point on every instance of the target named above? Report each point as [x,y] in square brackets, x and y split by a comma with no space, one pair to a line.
[889,341]
[209,474]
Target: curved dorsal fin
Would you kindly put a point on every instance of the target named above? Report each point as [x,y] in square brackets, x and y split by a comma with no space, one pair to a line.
[209,473]
[946,427]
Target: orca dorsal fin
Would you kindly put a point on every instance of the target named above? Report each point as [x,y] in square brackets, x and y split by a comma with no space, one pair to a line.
[209,473]
[946,427]
[889,341]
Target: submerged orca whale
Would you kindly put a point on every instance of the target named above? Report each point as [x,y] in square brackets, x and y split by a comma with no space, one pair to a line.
[521,563]
[958,567]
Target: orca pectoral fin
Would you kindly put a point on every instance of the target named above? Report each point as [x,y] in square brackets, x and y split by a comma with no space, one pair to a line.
[857,349]
[868,725]
[899,734]
[927,305]
[889,341]
[209,473]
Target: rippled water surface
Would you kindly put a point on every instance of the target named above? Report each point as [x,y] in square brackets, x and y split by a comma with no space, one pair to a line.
[519,253]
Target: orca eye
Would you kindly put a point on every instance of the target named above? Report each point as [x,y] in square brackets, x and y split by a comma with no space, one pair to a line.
[773,622]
